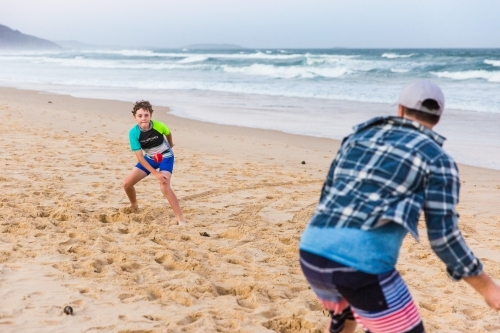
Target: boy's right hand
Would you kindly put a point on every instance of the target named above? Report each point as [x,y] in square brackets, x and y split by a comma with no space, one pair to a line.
[161,177]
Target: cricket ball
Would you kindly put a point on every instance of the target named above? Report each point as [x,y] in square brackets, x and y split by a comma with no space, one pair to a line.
[158,158]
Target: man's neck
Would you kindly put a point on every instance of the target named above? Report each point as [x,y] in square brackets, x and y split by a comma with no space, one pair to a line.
[423,123]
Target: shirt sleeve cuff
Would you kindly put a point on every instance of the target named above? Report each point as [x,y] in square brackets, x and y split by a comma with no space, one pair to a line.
[473,269]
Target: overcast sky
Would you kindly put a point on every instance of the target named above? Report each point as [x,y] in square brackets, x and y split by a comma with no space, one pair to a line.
[260,23]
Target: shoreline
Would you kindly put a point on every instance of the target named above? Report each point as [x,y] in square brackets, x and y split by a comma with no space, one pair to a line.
[378,109]
[472,138]
[66,237]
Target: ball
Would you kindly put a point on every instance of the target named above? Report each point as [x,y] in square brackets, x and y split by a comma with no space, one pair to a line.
[158,158]
[68,310]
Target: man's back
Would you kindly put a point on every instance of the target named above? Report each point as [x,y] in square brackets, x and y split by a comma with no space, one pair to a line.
[381,174]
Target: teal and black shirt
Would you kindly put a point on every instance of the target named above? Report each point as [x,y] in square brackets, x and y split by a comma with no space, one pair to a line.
[152,141]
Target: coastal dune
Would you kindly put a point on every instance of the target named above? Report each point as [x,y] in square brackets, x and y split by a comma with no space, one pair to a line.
[68,238]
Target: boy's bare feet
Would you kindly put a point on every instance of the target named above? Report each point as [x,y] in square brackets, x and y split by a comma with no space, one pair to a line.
[184,222]
[132,209]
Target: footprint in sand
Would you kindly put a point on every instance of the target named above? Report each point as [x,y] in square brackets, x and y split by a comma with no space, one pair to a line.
[130,267]
[249,303]
[125,297]
[110,218]
[295,323]
[154,294]
[190,318]
[231,234]
[68,242]
[492,328]
[168,262]
[129,210]
[123,231]
[152,318]
[78,302]
[473,314]
[428,306]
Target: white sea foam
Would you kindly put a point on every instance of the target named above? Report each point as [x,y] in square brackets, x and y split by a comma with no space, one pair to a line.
[395,55]
[192,59]
[470,75]
[313,60]
[141,53]
[353,64]
[29,53]
[399,70]
[495,63]
[240,55]
[82,62]
[287,72]
[124,52]
[256,55]
[6,58]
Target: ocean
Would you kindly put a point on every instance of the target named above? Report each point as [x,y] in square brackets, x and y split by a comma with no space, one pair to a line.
[316,92]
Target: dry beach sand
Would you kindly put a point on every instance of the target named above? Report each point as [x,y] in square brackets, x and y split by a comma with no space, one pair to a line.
[66,237]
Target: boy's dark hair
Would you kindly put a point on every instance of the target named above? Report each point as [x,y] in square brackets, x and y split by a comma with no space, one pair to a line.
[142,104]
[423,116]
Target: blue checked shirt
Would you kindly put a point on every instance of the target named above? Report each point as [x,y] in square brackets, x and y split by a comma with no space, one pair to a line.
[390,169]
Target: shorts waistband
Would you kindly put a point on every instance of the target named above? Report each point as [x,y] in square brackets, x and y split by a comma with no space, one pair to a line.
[163,153]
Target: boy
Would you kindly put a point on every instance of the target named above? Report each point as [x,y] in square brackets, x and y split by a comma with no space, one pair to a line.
[384,174]
[147,138]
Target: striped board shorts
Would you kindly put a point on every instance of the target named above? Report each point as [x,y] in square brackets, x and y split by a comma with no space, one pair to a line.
[380,303]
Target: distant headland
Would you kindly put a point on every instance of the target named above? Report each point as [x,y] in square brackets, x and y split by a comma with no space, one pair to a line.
[14,40]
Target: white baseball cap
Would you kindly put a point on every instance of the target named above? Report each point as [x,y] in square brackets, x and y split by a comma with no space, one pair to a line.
[414,93]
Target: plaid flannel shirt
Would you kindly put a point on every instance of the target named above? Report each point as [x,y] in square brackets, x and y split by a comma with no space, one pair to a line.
[390,169]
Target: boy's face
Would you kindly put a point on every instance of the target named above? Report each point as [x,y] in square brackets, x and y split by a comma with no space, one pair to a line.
[143,117]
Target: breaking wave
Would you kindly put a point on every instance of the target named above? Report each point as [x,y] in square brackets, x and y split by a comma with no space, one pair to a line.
[470,75]
[495,63]
[288,72]
[395,55]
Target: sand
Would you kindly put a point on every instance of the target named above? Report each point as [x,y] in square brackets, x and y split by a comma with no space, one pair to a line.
[67,237]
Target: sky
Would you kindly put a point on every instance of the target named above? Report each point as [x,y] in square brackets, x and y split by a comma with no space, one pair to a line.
[261,23]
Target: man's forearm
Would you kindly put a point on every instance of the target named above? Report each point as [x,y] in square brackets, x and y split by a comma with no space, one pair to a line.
[481,283]
[451,248]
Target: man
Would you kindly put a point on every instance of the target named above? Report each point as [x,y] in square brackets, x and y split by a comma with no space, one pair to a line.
[384,175]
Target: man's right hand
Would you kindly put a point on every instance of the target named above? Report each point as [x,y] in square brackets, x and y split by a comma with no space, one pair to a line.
[492,297]
[485,286]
